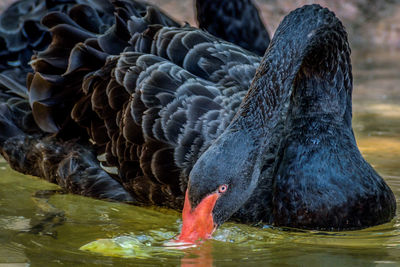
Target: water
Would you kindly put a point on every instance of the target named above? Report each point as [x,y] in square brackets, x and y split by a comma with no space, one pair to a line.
[40,227]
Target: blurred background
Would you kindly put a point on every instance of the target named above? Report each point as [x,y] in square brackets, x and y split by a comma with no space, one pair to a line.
[368,22]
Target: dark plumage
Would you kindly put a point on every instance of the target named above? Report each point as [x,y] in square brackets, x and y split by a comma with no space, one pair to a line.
[157,104]
[21,32]
[236,21]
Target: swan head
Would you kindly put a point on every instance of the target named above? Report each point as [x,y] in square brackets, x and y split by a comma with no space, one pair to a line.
[221,181]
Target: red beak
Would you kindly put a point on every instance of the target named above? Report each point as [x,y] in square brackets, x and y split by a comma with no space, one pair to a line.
[198,223]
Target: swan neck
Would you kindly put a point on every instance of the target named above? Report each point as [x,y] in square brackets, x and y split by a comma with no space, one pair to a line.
[308,60]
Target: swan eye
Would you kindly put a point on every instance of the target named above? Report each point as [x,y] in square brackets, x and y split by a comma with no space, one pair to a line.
[222,188]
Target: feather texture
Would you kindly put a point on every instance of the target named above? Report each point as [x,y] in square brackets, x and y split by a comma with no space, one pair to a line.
[150,96]
[129,113]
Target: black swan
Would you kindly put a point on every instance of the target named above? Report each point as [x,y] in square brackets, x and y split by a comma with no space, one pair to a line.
[235,21]
[174,115]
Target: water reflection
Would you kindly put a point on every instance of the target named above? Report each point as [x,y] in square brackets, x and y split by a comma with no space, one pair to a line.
[199,256]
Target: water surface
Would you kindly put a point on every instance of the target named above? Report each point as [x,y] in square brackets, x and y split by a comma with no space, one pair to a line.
[40,227]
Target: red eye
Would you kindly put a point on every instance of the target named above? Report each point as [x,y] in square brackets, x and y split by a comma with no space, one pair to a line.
[222,188]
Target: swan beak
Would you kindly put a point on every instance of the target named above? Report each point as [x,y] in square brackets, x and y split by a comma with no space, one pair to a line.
[198,223]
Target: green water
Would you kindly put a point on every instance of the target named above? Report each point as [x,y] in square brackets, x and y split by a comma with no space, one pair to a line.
[39,228]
